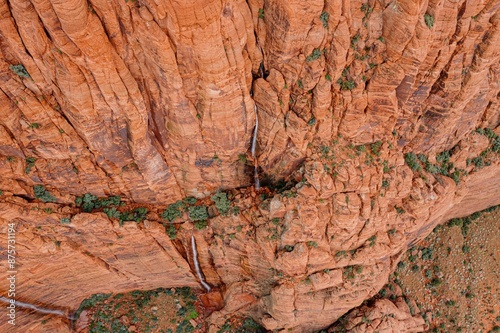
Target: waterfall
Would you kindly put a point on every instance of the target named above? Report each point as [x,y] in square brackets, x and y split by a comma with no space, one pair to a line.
[197,266]
[254,144]
[36,308]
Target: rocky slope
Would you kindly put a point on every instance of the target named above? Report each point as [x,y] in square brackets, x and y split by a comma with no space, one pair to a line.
[368,109]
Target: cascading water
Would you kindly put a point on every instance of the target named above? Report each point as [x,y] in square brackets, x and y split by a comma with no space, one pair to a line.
[38,309]
[255,131]
[254,144]
[197,265]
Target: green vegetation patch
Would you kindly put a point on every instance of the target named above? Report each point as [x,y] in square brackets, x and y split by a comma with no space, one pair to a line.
[41,193]
[315,55]
[111,207]
[174,211]
[30,163]
[20,70]
[198,213]
[89,202]
[324,19]
[429,20]
[221,202]
[158,310]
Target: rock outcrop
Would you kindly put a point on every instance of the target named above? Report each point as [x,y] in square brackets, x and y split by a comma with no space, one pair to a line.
[393,313]
[368,110]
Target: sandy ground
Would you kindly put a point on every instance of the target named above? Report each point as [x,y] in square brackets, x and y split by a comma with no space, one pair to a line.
[454,275]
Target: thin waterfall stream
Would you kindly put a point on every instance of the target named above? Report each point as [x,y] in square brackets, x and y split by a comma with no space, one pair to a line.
[262,71]
[38,309]
[254,144]
[197,265]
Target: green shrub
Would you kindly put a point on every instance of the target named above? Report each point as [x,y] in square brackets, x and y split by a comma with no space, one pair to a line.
[365,8]
[455,222]
[112,212]
[412,161]
[427,253]
[399,210]
[242,158]
[355,40]
[312,244]
[198,213]
[42,194]
[65,220]
[171,231]
[456,175]
[361,148]
[189,200]
[495,145]
[431,168]
[386,169]
[478,162]
[261,13]
[341,254]
[315,55]
[429,20]
[110,201]
[20,70]
[87,202]
[372,240]
[139,214]
[443,157]
[221,202]
[436,282]
[324,19]
[173,211]
[422,158]
[346,84]
[200,225]
[30,163]
[125,216]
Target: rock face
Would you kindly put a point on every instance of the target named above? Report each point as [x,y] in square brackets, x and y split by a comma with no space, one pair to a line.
[384,317]
[399,314]
[154,101]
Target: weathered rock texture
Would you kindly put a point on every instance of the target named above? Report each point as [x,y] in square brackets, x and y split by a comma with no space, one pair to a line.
[151,100]
[382,316]
[393,314]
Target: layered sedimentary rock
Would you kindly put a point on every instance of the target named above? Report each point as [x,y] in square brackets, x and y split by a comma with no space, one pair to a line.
[154,101]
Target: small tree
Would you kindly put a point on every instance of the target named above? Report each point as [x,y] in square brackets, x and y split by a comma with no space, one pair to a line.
[198,213]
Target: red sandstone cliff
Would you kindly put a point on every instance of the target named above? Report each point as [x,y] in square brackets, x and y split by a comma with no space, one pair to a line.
[151,100]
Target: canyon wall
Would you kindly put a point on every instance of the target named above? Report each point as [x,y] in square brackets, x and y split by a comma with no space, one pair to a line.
[383,117]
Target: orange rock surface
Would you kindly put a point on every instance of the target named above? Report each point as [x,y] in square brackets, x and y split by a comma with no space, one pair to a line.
[154,101]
